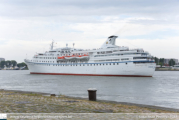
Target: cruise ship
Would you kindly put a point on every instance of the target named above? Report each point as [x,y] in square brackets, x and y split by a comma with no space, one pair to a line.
[109,60]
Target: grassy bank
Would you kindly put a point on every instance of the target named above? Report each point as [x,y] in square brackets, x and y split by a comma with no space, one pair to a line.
[22,102]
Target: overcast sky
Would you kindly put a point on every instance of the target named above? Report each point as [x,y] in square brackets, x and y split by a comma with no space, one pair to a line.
[28,26]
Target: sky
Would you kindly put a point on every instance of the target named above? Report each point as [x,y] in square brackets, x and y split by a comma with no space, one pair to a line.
[29,26]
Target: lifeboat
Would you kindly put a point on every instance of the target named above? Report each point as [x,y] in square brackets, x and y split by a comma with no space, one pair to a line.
[61,58]
[82,57]
[70,57]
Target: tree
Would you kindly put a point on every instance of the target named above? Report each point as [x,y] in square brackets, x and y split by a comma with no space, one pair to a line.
[161,61]
[171,62]
[8,63]
[156,60]
[14,63]
[21,64]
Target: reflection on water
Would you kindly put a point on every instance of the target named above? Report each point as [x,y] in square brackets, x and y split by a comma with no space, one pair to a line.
[162,89]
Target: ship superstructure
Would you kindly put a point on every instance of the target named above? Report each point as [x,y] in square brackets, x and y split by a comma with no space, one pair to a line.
[109,60]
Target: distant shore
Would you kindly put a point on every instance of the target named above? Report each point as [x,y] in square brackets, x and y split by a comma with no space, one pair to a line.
[166,69]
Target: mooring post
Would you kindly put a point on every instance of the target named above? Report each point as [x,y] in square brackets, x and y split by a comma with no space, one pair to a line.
[53,95]
[92,94]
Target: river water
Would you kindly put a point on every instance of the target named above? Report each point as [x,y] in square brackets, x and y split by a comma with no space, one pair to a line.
[161,90]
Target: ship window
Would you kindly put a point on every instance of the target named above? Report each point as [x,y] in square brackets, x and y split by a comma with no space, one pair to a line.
[117,63]
[125,59]
[113,63]
[83,64]
[91,64]
[109,63]
[106,64]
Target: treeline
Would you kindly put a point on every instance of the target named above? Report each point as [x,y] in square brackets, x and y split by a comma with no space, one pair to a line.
[11,63]
[161,61]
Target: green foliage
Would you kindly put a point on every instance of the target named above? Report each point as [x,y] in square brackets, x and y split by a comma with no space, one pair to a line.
[8,63]
[161,61]
[171,62]
[156,60]
[13,62]
[21,64]
[161,64]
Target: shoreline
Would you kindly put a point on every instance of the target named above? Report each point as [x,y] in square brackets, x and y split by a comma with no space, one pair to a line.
[128,106]
[166,69]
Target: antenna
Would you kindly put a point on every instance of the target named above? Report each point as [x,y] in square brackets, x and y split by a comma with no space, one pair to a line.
[73,45]
[51,45]
[66,45]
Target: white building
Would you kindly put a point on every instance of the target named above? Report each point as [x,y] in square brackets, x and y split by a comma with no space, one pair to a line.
[166,60]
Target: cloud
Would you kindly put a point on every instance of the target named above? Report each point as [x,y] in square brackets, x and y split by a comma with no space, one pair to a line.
[27,26]
[47,8]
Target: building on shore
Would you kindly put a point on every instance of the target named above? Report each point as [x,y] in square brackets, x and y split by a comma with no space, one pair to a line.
[166,60]
[2,59]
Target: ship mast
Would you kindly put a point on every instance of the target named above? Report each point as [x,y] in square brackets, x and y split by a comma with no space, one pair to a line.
[51,45]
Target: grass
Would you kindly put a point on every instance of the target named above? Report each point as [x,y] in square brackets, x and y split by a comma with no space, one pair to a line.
[37,103]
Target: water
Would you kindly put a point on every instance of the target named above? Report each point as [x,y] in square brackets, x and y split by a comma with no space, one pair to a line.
[162,89]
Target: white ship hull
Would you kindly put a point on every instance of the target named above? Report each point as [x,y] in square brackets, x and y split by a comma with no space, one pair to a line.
[95,69]
[109,60]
